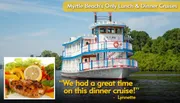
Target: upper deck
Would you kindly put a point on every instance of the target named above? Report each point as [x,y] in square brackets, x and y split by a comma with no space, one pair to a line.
[105,33]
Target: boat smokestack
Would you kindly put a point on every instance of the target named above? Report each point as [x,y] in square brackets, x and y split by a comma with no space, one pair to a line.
[95,17]
[110,16]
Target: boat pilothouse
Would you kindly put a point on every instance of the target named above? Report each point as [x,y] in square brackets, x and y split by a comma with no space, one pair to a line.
[103,54]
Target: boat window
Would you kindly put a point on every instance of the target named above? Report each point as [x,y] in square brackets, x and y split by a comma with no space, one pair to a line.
[118,30]
[102,30]
[113,31]
[109,30]
[85,60]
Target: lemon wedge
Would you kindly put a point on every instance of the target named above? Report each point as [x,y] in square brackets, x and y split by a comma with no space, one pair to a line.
[33,73]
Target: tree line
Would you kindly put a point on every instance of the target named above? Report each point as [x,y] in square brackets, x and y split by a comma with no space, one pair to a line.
[160,54]
[48,53]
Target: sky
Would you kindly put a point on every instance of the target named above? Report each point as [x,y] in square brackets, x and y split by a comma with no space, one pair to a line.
[31,26]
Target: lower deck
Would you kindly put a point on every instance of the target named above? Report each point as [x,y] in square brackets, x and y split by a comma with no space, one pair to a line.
[110,73]
[98,61]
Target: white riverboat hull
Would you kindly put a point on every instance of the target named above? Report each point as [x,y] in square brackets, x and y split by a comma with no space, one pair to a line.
[110,73]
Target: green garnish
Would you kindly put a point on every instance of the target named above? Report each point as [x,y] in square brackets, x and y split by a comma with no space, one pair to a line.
[50,70]
[18,62]
[49,83]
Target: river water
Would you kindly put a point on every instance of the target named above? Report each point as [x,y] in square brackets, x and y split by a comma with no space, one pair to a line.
[150,91]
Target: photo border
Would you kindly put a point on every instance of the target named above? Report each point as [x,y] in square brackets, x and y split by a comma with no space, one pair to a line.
[29,98]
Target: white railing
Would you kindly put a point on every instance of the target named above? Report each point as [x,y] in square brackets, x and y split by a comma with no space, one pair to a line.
[85,48]
[102,64]
[110,63]
[106,22]
[70,70]
[99,46]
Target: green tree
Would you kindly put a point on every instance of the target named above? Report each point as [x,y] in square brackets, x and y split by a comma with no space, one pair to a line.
[127,31]
[46,53]
[160,54]
[173,38]
[140,39]
[173,34]
[58,61]
[147,47]
[159,45]
[31,55]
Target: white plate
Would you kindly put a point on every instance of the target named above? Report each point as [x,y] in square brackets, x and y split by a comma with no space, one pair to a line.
[45,61]
[18,96]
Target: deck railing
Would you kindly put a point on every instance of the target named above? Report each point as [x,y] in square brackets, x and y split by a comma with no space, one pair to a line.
[109,63]
[99,46]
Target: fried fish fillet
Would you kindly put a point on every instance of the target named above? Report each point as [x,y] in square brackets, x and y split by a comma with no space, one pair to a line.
[29,88]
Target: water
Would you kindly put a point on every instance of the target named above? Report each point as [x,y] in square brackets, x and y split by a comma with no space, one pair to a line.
[155,75]
[151,91]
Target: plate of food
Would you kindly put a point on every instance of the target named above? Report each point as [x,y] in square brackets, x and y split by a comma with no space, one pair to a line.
[29,78]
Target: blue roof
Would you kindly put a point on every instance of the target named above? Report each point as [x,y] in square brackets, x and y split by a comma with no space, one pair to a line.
[73,41]
[107,23]
[98,51]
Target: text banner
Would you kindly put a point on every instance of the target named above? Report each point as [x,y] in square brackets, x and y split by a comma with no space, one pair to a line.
[121,6]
